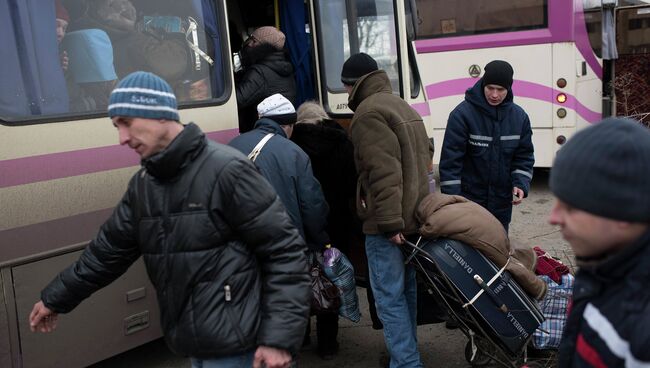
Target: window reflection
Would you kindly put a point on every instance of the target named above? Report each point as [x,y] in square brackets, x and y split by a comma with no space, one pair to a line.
[445,18]
[70,54]
[374,25]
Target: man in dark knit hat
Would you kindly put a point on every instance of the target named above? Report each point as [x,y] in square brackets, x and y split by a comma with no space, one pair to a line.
[601,179]
[227,264]
[487,152]
[393,156]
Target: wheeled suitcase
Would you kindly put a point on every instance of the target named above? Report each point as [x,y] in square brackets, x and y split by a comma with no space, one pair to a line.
[502,308]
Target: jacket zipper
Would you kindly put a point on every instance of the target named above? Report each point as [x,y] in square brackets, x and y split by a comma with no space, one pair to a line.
[228,296]
[166,224]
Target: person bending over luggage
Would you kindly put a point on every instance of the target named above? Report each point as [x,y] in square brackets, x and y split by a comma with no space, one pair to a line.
[601,182]
[392,154]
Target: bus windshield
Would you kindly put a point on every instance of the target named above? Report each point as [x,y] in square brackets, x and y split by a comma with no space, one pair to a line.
[375,34]
[70,54]
[445,18]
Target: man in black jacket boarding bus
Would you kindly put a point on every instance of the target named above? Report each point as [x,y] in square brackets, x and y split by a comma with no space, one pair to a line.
[228,266]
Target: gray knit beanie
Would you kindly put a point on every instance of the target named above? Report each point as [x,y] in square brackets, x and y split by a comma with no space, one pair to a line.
[143,95]
[605,170]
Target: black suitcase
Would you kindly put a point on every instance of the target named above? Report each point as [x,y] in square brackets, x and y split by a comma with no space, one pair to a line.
[505,311]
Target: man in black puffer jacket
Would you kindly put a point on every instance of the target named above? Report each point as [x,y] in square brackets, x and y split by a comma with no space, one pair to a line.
[266,71]
[228,266]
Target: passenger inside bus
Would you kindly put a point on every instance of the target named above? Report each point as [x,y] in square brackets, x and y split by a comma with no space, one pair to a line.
[176,40]
[266,70]
[91,75]
[62,21]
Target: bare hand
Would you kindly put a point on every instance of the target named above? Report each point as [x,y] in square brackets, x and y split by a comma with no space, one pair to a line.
[42,319]
[64,60]
[518,195]
[397,238]
[271,357]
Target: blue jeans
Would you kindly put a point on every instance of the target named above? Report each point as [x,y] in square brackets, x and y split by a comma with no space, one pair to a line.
[395,290]
[234,361]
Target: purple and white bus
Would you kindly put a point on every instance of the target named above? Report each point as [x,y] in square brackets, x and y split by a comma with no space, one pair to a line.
[434,50]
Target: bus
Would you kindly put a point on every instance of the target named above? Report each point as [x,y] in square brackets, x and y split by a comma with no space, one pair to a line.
[62,171]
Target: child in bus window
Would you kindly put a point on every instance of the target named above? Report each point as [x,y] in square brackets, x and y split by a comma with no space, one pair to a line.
[62,21]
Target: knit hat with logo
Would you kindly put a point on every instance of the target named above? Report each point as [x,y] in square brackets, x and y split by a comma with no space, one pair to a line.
[277,108]
[269,35]
[356,66]
[143,95]
[498,72]
[605,170]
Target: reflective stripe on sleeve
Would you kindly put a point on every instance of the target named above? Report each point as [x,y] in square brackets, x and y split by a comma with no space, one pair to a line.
[510,137]
[449,182]
[480,137]
[524,173]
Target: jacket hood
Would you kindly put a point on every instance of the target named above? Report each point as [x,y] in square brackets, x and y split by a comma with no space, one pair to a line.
[269,126]
[278,62]
[369,84]
[476,97]
[181,151]
[320,140]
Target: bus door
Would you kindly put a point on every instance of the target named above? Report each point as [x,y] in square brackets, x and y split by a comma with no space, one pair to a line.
[379,28]
[631,80]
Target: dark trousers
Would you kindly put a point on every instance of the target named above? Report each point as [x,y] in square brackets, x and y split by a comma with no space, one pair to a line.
[327,329]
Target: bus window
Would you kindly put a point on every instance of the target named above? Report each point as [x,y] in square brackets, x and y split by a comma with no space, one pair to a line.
[373,22]
[444,18]
[594,22]
[633,31]
[70,54]
[631,81]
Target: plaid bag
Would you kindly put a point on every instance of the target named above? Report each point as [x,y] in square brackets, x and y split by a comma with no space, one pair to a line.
[554,307]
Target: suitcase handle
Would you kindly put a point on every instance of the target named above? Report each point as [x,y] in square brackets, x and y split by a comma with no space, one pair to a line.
[500,304]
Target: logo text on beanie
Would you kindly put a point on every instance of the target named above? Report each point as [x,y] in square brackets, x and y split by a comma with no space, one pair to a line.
[144,100]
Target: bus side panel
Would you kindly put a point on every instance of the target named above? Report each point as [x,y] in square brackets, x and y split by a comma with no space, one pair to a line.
[117,318]
[446,79]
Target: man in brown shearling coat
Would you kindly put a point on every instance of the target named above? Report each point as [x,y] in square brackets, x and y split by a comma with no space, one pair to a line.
[393,155]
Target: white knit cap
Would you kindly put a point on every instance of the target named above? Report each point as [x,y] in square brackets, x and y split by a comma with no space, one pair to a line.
[275,105]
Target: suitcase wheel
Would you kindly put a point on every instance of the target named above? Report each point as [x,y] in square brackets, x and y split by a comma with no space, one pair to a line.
[481,357]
